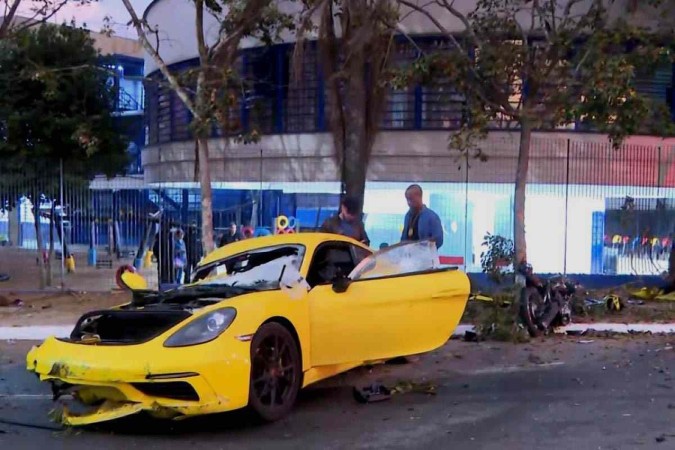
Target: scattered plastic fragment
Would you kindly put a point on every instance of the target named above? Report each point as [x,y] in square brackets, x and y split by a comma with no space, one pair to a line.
[374,393]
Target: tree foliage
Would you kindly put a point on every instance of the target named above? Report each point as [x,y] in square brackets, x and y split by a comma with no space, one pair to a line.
[497,258]
[55,105]
[55,111]
[355,43]
[543,64]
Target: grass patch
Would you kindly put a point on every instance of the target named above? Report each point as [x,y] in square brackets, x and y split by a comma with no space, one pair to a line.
[497,320]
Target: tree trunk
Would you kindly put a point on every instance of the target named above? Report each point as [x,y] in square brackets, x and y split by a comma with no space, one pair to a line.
[671,264]
[519,193]
[355,136]
[354,153]
[50,276]
[38,240]
[206,193]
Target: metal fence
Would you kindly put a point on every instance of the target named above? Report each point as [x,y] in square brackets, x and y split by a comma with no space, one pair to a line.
[590,209]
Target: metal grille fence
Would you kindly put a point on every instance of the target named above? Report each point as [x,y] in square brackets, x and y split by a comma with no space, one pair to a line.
[590,209]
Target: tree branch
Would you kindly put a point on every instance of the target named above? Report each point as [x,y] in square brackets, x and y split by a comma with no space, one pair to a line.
[9,17]
[45,11]
[438,24]
[199,23]
[506,108]
[180,91]
[228,40]
[462,18]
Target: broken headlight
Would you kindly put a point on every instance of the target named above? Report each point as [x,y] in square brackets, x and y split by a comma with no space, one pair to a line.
[204,329]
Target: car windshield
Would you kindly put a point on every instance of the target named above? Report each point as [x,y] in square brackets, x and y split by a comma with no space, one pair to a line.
[260,269]
[399,259]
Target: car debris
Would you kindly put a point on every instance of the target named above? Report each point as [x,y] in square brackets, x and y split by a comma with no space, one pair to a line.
[377,392]
[370,394]
[6,302]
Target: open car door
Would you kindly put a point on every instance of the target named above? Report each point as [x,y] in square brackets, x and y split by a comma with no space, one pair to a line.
[398,301]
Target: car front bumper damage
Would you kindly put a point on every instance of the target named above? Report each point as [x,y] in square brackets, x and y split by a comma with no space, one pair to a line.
[111,382]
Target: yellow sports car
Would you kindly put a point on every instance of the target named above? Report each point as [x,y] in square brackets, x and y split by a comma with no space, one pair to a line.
[261,319]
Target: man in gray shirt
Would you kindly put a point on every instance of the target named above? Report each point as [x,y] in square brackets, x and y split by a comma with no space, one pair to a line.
[420,223]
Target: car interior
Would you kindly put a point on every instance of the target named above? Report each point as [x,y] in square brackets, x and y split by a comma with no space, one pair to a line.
[331,261]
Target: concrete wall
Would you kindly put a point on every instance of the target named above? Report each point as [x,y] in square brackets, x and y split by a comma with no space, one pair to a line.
[116,45]
[424,156]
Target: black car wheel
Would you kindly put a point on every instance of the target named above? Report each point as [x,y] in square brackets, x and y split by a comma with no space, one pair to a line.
[276,372]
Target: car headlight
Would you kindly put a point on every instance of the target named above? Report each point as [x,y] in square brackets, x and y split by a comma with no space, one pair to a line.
[204,329]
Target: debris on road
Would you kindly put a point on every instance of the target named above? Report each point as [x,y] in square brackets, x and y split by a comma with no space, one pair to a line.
[378,392]
[374,393]
[470,336]
[408,386]
[6,302]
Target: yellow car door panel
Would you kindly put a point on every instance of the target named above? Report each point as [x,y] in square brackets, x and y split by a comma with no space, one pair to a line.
[385,317]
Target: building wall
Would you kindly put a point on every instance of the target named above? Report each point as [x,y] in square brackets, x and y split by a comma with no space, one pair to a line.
[424,156]
[178,41]
[117,45]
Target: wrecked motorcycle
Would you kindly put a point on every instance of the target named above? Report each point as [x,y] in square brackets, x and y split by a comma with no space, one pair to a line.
[544,304]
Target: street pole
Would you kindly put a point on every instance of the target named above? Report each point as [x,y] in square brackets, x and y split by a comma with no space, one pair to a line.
[63,236]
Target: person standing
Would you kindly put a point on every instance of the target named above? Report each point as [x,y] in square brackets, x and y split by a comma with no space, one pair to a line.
[194,249]
[231,235]
[420,223]
[347,221]
[179,255]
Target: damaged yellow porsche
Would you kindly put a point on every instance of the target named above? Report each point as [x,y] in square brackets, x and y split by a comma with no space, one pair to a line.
[261,319]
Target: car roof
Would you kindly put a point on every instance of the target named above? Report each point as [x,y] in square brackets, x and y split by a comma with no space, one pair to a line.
[309,240]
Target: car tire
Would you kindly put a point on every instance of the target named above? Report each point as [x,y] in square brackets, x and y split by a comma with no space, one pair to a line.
[528,296]
[276,372]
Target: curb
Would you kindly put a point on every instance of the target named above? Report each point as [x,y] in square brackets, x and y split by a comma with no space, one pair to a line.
[621,328]
[34,333]
[42,332]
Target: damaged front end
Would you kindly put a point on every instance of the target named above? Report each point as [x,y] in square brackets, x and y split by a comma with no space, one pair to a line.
[161,353]
[97,383]
[93,404]
[119,362]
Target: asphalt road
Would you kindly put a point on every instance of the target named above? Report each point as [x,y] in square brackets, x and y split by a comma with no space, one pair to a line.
[563,393]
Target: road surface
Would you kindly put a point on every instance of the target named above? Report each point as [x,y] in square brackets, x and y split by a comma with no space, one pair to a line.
[563,392]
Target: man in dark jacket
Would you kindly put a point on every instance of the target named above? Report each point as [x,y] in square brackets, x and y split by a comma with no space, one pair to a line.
[231,235]
[347,221]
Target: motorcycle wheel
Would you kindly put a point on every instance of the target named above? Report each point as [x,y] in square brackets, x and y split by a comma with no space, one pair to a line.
[531,306]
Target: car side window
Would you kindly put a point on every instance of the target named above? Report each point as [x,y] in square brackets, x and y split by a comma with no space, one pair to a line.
[359,254]
[331,260]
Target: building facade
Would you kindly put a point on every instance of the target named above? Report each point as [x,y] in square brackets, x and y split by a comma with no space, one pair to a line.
[124,60]
[123,57]
[578,185]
